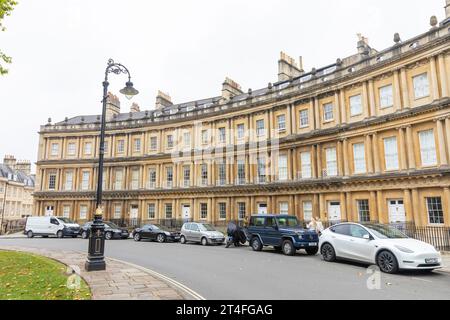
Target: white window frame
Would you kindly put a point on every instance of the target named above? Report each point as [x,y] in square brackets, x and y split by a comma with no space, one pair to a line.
[391,153]
[260,128]
[120,146]
[386,96]
[427,148]
[307,210]
[305,161]
[282,167]
[137,145]
[117,211]
[187,139]
[240,131]
[151,213]
[356,106]
[281,122]
[87,150]
[83,212]
[359,158]
[153,143]
[66,211]
[421,86]
[71,149]
[284,208]
[135,179]
[304,118]
[54,149]
[328,110]
[84,182]
[331,161]
[68,183]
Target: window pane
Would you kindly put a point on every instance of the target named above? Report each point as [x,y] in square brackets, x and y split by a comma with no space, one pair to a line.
[328,112]
[386,96]
[421,86]
[355,105]
[427,148]
[331,162]
[359,158]
[305,159]
[391,153]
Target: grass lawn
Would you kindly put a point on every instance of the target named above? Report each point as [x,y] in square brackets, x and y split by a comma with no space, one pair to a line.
[25,276]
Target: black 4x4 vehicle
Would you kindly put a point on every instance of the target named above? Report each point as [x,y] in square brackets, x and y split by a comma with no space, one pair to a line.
[282,232]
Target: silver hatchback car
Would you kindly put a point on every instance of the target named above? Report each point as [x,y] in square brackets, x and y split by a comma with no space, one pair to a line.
[201,233]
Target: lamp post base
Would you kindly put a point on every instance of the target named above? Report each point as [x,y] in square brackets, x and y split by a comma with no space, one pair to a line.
[95,259]
[95,265]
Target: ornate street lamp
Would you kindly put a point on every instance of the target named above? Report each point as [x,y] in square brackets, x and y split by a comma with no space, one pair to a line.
[95,259]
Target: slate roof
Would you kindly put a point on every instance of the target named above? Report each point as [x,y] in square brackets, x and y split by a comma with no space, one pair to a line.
[17,176]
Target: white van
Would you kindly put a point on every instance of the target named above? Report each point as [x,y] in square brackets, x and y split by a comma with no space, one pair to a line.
[51,226]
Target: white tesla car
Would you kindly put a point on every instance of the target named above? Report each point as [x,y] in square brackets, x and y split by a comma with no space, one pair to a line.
[387,247]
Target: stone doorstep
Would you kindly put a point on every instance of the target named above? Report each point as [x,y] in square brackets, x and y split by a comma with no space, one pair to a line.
[121,282]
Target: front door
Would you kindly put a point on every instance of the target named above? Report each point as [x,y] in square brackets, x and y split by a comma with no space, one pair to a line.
[334,211]
[49,211]
[186,212]
[134,215]
[262,208]
[396,211]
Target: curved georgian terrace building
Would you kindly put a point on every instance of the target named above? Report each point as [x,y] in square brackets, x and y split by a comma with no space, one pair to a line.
[364,138]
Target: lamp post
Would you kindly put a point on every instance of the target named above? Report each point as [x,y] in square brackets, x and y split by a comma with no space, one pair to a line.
[95,259]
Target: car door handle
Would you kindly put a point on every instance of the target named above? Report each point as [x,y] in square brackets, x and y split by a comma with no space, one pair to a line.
[351,240]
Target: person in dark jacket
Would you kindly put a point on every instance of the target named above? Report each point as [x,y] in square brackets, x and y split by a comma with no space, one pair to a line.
[236,235]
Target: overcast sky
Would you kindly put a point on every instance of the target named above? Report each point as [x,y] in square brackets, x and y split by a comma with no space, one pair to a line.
[183,47]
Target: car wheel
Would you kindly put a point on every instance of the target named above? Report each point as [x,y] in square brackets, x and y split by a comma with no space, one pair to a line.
[30,234]
[108,235]
[328,253]
[84,235]
[288,248]
[60,234]
[387,262]
[161,238]
[256,244]
[312,251]
[182,240]
[204,241]
[137,237]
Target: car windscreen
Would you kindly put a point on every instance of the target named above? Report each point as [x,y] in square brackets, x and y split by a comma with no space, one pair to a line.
[66,220]
[206,227]
[289,222]
[112,225]
[385,232]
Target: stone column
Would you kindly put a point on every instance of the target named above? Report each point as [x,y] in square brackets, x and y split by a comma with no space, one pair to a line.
[378,212]
[443,75]
[289,120]
[402,154]
[269,116]
[416,207]
[319,161]
[404,87]
[316,207]
[410,148]
[343,107]
[376,154]
[373,111]
[290,165]
[434,79]
[337,107]
[408,205]
[294,122]
[294,164]
[365,99]
[447,134]
[441,143]
[374,206]
[446,206]
[322,208]
[370,156]
[397,91]
[350,216]
[345,157]
[343,199]
[314,161]
[317,119]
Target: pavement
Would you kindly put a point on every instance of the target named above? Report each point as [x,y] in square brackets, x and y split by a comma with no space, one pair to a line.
[241,274]
[120,281]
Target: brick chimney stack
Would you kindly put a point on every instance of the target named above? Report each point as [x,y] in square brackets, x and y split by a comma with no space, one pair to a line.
[112,106]
[10,161]
[230,89]
[24,166]
[163,100]
[135,108]
[288,68]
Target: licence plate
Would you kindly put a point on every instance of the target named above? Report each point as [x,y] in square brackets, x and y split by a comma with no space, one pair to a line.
[313,244]
[431,261]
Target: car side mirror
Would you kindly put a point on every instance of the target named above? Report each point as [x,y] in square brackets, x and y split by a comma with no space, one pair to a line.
[367,237]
